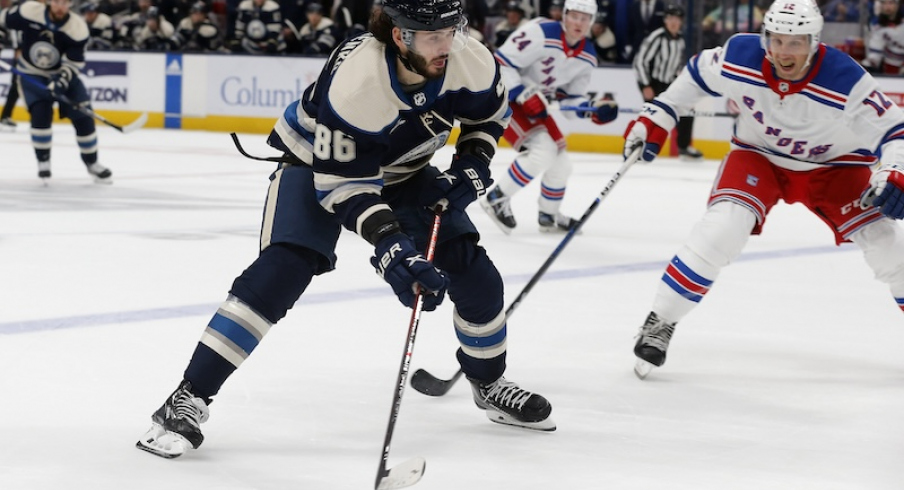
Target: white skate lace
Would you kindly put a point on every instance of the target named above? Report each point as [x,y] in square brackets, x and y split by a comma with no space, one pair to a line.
[507,393]
[186,407]
[502,207]
[657,335]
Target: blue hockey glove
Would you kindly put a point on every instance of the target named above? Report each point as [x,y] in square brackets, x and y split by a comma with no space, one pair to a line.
[886,191]
[467,179]
[599,111]
[59,82]
[400,265]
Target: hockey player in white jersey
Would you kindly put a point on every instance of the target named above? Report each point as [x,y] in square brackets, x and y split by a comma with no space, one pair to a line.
[541,61]
[813,128]
[885,50]
[357,150]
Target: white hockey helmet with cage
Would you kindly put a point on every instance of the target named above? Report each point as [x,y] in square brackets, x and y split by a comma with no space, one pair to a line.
[586,6]
[793,17]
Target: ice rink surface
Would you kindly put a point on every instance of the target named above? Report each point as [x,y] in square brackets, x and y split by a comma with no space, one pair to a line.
[788,375]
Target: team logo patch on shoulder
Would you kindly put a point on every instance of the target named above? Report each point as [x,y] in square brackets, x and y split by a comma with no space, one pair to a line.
[752,180]
[419,99]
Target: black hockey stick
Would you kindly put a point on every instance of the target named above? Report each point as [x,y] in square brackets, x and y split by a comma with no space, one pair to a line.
[136,124]
[238,146]
[411,471]
[428,384]
[628,110]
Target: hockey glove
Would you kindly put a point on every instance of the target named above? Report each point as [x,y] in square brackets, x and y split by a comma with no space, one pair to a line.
[886,191]
[533,102]
[59,82]
[399,264]
[644,132]
[467,179]
[599,111]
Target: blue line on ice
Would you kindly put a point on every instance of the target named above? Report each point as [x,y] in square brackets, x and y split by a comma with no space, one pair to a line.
[28,326]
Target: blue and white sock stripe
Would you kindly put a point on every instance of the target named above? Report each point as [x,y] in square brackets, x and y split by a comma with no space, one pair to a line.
[517,173]
[481,340]
[41,138]
[87,143]
[685,281]
[234,331]
[551,193]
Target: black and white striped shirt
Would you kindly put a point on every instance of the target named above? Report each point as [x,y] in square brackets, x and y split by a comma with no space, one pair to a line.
[659,58]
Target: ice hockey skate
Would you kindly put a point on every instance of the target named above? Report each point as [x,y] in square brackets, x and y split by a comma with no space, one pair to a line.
[690,154]
[652,344]
[506,403]
[44,171]
[499,207]
[7,125]
[101,174]
[176,426]
[557,223]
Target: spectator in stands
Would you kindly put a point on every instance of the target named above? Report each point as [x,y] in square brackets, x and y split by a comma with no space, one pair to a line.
[476,11]
[175,10]
[724,21]
[350,18]
[258,28]
[514,18]
[116,9]
[317,37]
[157,34]
[196,33]
[644,17]
[100,28]
[555,10]
[841,11]
[887,14]
[603,40]
[131,25]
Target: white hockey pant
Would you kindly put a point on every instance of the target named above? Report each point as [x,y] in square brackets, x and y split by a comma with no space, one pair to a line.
[882,243]
[541,156]
[716,240]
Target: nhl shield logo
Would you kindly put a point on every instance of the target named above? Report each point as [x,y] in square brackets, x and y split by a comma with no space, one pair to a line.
[784,86]
[419,99]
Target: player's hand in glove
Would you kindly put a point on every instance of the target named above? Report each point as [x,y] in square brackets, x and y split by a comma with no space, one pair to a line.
[533,102]
[599,111]
[647,134]
[467,179]
[59,82]
[886,191]
[404,268]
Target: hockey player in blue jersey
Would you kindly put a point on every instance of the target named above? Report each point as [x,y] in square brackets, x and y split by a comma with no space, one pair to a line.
[52,44]
[813,128]
[360,143]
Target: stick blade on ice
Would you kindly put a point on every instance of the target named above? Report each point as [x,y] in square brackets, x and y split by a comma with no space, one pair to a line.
[137,124]
[403,475]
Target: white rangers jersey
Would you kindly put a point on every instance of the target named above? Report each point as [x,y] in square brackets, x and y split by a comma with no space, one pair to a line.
[836,115]
[536,55]
[886,45]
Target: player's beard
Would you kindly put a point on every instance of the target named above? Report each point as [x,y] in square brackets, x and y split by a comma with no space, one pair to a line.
[421,66]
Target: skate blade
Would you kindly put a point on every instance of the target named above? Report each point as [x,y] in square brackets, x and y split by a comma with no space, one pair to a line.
[547,425]
[159,442]
[107,181]
[403,475]
[642,369]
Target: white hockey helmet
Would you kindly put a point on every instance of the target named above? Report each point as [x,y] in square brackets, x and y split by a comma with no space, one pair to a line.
[794,17]
[586,6]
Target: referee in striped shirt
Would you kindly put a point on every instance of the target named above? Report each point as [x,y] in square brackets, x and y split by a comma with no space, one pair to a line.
[656,65]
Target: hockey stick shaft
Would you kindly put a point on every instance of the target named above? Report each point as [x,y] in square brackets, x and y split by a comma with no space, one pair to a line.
[440,387]
[405,366]
[66,100]
[629,110]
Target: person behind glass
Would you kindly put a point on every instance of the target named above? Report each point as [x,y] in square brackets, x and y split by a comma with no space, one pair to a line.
[514,18]
[358,155]
[157,34]
[887,14]
[132,24]
[8,40]
[657,64]
[319,36]
[196,33]
[644,17]
[604,40]
[100,25]
[555,10]
[258,28]
[842,11]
